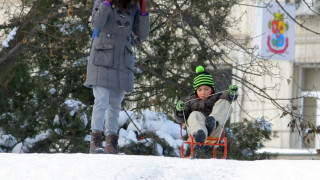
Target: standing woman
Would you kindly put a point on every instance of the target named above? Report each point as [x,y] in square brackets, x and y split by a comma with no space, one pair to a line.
[111,64]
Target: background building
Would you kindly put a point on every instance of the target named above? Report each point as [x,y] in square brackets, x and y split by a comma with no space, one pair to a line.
[294,83]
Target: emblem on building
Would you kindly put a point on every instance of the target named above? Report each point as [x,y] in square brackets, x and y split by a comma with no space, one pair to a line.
[277,41]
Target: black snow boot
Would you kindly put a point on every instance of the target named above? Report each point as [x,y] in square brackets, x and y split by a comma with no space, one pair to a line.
[200,136]
[210,124]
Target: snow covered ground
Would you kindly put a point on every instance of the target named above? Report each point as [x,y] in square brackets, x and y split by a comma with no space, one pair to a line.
[129,167]
[20,165]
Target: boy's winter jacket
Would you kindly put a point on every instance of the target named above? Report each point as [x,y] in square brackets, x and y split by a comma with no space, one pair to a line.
[111,61]
[203,106]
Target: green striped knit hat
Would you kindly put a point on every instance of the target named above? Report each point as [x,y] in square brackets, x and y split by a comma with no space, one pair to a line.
[202,78]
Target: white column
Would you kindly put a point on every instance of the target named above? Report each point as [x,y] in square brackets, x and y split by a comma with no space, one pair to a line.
[317,138]
[314,94]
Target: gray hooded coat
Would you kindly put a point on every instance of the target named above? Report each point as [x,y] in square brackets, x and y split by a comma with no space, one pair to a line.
[111,61]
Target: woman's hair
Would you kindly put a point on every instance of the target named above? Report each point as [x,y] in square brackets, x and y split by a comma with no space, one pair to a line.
[125,4]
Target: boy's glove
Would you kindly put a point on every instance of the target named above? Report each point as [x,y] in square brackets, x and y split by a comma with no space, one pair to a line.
[143,6]
[233,92]
[180,106]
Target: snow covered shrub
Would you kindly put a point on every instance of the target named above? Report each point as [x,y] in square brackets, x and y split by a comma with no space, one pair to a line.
[162,134]
[36,100]
[69,129]
[244,138]
[152,145]
[64,132]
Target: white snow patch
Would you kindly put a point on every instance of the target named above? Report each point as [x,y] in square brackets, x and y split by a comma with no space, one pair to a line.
[74,105]
[52,91]
[10,37]
[17,148]
[84,119]
[29,142]
[264,125]
[124,118]
[56,120]
[43,27]
[7,140]
[126,137]
[4,115]
[87,138]
[58,131]
[159,149]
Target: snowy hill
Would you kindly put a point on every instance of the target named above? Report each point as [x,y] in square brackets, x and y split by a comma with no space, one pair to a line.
[20,165]
[127,167]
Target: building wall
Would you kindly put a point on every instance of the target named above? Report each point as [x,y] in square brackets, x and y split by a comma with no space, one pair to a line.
[307,43]
[8,9]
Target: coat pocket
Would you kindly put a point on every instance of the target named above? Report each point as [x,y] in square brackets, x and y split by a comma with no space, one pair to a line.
[129,59]
[103,55]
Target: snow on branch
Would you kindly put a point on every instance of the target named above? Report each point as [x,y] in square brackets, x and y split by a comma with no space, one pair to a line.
[10,37]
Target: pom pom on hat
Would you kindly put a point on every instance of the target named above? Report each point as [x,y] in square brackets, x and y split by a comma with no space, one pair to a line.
[199,69]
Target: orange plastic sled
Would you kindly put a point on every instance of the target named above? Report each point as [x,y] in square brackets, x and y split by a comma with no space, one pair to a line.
[210,141]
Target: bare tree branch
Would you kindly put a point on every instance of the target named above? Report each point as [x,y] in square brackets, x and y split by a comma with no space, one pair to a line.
[301,25]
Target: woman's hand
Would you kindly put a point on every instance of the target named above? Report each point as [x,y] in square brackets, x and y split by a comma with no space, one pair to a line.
[107,2]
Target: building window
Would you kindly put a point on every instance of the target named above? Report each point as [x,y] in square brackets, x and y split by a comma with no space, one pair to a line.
[311,114]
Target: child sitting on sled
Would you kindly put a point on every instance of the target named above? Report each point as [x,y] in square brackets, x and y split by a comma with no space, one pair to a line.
[205,110]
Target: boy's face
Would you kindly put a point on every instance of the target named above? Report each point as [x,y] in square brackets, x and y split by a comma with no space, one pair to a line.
[204,91]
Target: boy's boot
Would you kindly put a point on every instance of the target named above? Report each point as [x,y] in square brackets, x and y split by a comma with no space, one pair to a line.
[200,136]
[96,143]
[112,144]
[211,124]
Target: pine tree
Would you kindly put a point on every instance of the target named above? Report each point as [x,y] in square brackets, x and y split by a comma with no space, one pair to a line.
[49,70]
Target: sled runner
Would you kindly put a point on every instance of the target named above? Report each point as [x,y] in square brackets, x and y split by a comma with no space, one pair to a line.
[210,141]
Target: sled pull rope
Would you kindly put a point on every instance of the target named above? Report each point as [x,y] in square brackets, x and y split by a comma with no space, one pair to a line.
[185,121]
[225,119]
[134,123]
